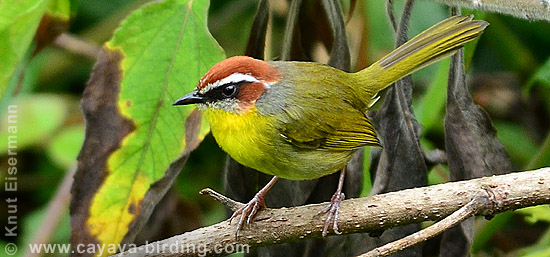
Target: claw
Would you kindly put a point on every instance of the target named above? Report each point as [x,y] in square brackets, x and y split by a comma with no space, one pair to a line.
[249,210]
[332,210]
[255,210]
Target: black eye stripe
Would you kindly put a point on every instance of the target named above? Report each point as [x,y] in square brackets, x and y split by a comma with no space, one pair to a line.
[221,92]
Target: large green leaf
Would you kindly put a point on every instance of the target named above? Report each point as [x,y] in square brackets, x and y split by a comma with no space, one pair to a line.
[19,20]
[158,54]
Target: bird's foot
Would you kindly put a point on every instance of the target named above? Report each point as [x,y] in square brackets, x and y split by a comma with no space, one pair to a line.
[248,211]
[332,210]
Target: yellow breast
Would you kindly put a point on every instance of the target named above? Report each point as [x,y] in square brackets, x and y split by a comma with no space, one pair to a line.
[241,135]
[253,140]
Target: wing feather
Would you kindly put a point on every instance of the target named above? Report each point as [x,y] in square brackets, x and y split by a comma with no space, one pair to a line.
[333,127]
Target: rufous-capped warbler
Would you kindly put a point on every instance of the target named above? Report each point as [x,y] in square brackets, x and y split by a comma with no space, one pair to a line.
[304,120]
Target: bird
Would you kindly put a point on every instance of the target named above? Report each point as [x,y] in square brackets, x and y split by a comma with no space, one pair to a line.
[304,120]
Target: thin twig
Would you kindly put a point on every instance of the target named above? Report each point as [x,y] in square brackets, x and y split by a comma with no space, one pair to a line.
[77,45]
[56,207]
[468,210]
[434,157]
[230,203]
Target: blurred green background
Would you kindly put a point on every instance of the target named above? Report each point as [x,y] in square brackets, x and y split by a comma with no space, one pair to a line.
[509,76]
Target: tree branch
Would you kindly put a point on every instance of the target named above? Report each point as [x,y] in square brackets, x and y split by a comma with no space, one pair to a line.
[371,214]
[478,203]
[525,9]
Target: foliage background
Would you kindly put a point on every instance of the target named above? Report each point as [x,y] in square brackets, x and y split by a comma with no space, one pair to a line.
[510,78]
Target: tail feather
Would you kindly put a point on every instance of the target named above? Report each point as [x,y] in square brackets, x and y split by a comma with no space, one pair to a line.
[437,42]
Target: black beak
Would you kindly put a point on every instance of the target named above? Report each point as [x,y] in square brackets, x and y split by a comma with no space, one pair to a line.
[191,98]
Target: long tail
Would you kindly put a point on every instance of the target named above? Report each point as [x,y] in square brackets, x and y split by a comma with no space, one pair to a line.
[437,42]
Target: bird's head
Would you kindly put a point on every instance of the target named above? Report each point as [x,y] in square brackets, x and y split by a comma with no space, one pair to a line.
[232,85]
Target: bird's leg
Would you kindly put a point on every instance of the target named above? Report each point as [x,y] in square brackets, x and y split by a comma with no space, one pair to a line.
[334,206]
[249,210]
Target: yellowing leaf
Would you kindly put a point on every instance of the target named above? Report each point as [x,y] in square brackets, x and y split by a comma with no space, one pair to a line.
[135,137]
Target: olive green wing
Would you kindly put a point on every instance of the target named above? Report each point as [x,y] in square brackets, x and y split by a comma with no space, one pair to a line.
[319,109]
[316,124]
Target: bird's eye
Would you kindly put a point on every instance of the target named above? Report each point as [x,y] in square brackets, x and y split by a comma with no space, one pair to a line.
[229,91]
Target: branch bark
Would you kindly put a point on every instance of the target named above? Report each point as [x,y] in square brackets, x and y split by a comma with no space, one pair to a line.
[524,9]
[478,203]
[371,214]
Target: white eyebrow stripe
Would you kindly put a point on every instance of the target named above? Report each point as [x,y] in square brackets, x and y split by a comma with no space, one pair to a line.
[237,77]
[233,78]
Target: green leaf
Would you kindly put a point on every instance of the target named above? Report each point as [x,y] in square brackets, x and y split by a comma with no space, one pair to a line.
[60,9]
[19,20]
[30,120]
[541,252]
[541,76]
[432,105]
[534,214]
[517,141]
[64,147]
[161,51]
[540,83]
[487,229]
[539,249]
[540,159]
[367,181]
[514,54]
